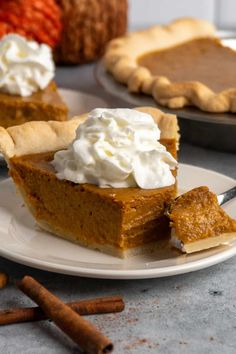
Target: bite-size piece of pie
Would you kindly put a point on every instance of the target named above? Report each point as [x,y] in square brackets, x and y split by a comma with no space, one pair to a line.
[181,64]
[198,222]
[121,221]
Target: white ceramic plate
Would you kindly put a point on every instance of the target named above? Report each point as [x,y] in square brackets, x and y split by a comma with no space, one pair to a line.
[22,242]
[78,103]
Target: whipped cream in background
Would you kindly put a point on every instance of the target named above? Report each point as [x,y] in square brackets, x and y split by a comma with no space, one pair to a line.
[117,148]
[25,66]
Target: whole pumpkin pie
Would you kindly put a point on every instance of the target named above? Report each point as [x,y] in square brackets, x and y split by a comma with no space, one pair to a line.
[119,221]
[180,64]
[198,222]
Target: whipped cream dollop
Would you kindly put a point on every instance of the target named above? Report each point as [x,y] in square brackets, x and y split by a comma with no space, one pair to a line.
[25,66]
[117,148]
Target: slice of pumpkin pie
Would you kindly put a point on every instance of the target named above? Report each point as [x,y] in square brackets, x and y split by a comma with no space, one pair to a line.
[27,90]
[101,181]
[198,222]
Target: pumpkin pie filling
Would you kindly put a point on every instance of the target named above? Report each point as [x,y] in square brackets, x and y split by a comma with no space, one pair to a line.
[124,218]
[203,60]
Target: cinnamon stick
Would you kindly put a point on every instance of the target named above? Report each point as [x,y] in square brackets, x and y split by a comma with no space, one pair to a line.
[81,331]
[84,307]
[3,280]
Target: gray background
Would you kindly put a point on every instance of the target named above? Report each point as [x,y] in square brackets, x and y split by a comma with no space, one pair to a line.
[149,12]
[192,313]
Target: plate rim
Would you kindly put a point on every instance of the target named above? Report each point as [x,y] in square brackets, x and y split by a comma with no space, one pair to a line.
[123,274]
[83,93]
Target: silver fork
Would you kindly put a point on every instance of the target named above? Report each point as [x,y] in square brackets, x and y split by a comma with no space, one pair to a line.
[226,196]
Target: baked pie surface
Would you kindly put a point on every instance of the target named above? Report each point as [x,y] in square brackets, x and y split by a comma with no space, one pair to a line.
[180,64]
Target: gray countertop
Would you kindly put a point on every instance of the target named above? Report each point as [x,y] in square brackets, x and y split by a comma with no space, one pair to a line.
[191,313]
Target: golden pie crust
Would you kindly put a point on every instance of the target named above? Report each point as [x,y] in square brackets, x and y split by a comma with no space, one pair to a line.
[30,138]
[182,40]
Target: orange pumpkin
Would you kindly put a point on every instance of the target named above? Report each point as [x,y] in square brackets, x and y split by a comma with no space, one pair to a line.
[39,20]
[88,25]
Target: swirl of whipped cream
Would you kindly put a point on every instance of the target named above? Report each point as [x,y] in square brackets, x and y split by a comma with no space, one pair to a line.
[117,148]
[25,66]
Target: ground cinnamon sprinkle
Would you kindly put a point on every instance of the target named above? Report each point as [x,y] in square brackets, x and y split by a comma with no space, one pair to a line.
[132,320]
[138,342]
